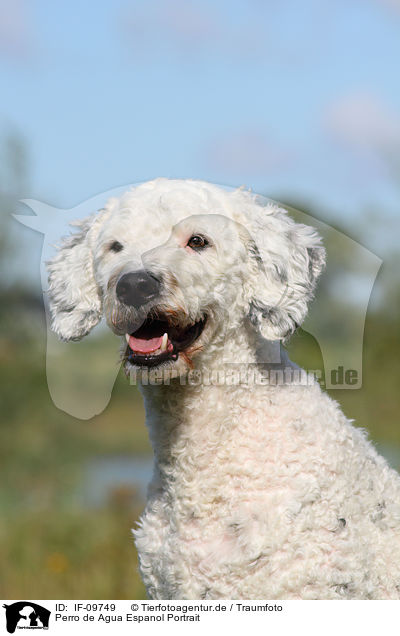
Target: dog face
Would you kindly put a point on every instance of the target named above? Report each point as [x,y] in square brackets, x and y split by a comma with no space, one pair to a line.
[169,304]
[176,266]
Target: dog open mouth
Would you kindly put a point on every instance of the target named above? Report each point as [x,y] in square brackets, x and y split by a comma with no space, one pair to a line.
[158,341]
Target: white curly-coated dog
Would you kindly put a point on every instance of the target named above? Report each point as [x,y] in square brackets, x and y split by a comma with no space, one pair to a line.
[261,488]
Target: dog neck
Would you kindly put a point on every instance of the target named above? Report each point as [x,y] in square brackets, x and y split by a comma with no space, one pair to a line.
[176,414]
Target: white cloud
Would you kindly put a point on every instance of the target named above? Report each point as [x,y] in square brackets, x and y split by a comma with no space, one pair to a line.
[392,4]
[246,153]
[15,30]
[364,121]
[189,28]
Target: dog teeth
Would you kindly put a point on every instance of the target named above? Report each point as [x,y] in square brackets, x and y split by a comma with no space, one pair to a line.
[164,342]
[127,336]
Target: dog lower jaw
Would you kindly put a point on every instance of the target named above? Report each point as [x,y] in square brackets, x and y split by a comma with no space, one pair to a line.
[150,361]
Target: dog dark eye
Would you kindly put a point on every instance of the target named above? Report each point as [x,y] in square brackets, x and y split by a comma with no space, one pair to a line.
[197,242]
[116,246]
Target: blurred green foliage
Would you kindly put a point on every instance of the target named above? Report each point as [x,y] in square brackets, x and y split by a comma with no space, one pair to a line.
[52,544]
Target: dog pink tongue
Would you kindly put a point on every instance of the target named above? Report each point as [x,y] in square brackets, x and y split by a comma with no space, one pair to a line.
[140,345]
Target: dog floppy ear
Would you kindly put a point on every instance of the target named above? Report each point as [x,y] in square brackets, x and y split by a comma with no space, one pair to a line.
[287,259]
[74,298]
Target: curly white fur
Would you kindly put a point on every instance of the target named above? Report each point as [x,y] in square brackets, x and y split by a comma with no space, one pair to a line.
[259,490]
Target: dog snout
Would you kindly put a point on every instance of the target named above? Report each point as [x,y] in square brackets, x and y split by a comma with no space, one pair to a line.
[138,288]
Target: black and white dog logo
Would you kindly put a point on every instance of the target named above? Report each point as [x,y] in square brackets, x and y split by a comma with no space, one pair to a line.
[26,615]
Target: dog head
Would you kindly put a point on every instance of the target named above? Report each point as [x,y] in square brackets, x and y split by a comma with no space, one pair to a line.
[178,267]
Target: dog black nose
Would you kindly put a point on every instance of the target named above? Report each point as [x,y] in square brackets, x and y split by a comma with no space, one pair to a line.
[137,288]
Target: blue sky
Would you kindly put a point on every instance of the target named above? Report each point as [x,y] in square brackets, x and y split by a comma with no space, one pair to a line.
[297,100]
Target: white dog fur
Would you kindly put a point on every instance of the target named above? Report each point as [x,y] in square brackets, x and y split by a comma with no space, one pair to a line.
[259,490]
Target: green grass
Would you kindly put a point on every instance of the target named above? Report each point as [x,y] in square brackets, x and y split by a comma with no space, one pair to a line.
[52,554]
